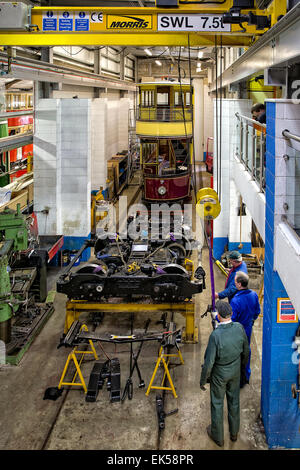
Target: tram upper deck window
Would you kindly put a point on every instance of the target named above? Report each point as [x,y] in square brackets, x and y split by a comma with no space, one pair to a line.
[178,98]
[181,98]
[147,98]
[163,99]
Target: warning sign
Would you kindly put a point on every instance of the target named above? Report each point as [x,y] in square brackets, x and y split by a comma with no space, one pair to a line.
[50,21]
[82,21]
[65,21]
[285,311]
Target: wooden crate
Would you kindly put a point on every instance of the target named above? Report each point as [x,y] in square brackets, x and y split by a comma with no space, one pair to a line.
[111,190]
[118,163]
[111,173]
[30,193]
[20,199]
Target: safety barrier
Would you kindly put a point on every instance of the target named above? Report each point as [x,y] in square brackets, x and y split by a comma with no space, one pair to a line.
[251,148]
[164,113]
[291,204]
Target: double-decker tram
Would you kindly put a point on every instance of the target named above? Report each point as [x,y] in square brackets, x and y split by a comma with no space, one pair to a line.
[164,125]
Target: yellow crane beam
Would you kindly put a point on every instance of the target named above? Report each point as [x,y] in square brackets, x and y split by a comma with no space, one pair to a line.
[188,24]
[99,39]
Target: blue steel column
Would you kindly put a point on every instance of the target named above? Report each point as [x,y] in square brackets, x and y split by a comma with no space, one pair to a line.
[280,413]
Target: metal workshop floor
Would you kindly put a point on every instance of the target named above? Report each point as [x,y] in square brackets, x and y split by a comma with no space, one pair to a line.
[70,423]
[31,423]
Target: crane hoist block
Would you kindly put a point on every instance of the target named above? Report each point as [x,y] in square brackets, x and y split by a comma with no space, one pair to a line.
[166,3]
[15,16]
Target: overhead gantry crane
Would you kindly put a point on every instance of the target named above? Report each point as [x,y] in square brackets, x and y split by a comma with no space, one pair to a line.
[169,23]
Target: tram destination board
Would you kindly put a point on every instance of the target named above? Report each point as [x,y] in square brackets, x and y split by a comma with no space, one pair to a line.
[203,22]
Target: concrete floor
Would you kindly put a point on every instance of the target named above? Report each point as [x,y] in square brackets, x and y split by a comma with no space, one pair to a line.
[70,423]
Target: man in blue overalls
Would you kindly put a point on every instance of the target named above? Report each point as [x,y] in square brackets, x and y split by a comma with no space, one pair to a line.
[238,264]
[245,307]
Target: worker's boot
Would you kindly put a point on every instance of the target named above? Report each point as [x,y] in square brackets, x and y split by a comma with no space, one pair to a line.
[208,430]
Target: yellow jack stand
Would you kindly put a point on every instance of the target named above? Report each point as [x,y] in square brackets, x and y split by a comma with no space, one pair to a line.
[74,308]
[161,358]
[72,357]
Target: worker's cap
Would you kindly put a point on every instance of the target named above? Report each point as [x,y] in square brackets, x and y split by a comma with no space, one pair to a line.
[223,308]
[235,255]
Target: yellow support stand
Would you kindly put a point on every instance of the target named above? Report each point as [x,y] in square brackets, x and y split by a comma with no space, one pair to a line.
[161,358]
[72,357]
[74,308]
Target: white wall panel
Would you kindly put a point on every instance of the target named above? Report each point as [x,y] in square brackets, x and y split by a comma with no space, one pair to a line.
[254,200]
[287,261]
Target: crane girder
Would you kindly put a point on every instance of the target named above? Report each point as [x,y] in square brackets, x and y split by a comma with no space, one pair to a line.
[189,24]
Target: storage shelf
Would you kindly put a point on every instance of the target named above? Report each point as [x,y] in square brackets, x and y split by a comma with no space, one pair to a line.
[119,164]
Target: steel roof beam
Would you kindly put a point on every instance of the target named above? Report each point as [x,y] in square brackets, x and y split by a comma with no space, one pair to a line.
[29,69]
[277,47]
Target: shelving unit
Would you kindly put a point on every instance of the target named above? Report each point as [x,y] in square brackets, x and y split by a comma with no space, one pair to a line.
[16,132]
[17,101]
[17,120]
[119,163]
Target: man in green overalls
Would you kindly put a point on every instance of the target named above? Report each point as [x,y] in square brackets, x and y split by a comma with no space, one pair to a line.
[226,352]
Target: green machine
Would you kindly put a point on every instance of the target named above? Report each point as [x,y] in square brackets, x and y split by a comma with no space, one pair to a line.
[13,228]
[5,294]
[13,231]
[23,283]
[4,156]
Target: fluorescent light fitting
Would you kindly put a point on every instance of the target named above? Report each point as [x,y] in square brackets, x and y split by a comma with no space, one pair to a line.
[148,51]
[200,55]
[199,65]
[158,62]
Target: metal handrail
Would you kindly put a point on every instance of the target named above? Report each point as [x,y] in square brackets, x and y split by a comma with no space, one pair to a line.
[286,133]
[249,160]
[292,193]
[246,118]
[164,113]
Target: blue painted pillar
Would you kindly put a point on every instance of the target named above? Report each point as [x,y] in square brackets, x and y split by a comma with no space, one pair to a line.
[280,413]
